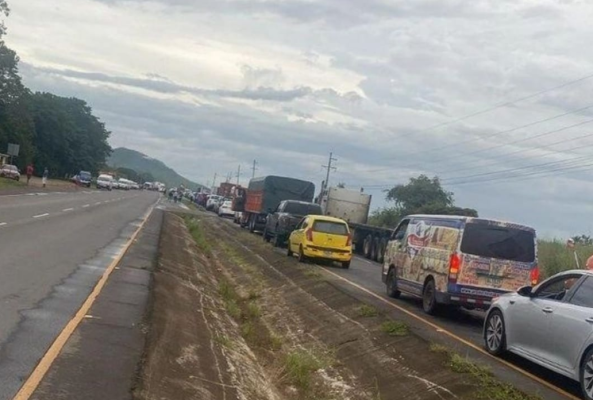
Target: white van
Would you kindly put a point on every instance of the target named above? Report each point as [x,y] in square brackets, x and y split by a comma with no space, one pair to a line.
[105,182]
[459,260]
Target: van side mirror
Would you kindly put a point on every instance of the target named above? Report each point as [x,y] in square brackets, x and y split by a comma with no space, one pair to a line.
[525,291]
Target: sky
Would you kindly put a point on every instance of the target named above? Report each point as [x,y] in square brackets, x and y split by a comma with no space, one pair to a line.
[491,96]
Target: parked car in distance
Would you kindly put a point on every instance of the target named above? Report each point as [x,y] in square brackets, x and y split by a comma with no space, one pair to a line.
[83,178]
[459,260]
[550,324]
[282,221]
[105,182]
[226,209]
[10,171]
[123,184]
[321,237]
[212,201]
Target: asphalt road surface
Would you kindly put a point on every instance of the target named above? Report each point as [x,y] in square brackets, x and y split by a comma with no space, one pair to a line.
[53,249]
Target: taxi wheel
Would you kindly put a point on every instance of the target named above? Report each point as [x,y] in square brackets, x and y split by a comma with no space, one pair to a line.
[289,251]
[302,257]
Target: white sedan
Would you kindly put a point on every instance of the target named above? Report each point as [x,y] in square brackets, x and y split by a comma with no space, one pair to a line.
[226,209]
[550,325]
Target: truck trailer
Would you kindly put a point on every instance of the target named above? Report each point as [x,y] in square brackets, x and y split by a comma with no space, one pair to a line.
[353,207]
[263,195]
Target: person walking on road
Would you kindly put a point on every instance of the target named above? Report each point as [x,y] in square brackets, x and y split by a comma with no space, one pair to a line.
[45,175]
[29,172]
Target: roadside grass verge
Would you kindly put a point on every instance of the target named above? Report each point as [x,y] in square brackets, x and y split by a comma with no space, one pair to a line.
[489,388]
[554,257]
[9,183]
[394,328]
[299,368]
[193,225]
[367,311]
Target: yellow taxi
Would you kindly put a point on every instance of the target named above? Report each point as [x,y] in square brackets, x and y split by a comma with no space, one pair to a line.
[321,237]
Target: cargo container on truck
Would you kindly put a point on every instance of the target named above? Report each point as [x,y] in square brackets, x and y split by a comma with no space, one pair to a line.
[263,195]
[353,206]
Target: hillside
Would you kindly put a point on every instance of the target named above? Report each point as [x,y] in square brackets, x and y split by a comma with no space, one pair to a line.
[141,163]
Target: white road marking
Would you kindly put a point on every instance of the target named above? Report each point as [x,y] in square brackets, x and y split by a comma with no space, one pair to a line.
[2,223]
[41,215]
[67,209]
[97,203]
[86,205]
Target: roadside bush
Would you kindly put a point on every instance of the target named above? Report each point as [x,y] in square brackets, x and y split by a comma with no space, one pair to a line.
[554,257]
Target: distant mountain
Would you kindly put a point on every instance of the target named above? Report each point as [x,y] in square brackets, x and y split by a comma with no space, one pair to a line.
[141,163]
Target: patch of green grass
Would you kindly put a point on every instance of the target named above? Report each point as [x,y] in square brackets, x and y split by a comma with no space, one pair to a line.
[248,331]
[193,225]
[233,309]
[9,183]
[489,387]
[299,367]
[394,328]
[253,294]
[312,273]
[554,257]
[253,311]
[367,311]
[276,341]
[224,341]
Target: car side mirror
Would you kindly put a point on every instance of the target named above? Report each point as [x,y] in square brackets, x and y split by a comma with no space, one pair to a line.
[525,291]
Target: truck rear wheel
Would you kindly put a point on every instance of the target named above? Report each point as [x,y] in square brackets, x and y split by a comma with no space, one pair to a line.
[252,223]
[381,253]
[368,246]
[375,249]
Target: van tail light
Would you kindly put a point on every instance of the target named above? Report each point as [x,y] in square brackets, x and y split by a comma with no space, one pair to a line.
[349,240]
[454,266]
[534,276]
[309,234]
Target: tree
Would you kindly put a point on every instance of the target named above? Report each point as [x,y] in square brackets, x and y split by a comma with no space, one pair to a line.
[420,195]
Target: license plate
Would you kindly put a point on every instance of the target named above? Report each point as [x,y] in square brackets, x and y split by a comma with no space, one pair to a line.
[328,253]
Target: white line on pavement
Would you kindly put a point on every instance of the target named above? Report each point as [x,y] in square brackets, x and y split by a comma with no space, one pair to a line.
[86,205]
[67,209]
[97,203]
[41,215]
[2,223]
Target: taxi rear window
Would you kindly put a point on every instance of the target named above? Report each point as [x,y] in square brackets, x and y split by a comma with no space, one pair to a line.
[334,228]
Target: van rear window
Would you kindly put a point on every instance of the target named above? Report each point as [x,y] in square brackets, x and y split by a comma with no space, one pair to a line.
[333,228]
[505,243]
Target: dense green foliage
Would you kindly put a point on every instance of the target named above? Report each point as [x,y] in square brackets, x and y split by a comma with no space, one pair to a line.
[134,160]
[54,132]
[421,195]
[554,256]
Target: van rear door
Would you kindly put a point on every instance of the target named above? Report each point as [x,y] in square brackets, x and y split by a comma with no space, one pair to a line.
[495,255]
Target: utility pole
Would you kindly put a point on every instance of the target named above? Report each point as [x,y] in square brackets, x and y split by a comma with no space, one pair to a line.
[329,168]
[253,169]
[238,174]
[214,181]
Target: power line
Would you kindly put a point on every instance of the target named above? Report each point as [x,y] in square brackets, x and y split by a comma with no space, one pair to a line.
[253,169]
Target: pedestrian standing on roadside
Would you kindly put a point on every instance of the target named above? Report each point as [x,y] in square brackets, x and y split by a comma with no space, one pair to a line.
[29,172]
[45,175]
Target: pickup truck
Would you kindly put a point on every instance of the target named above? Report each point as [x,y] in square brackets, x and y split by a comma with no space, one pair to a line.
[281,222]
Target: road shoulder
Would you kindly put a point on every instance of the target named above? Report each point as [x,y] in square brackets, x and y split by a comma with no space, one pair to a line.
[101,358]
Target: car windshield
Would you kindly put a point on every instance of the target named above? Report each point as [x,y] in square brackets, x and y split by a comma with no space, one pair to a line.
[303,209]
[334,228]
[501,242]
[85,175]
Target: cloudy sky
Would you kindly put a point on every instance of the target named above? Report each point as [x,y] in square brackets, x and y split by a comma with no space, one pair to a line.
[492,96]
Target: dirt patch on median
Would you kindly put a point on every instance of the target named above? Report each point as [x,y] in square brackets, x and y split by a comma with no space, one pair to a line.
[234,319]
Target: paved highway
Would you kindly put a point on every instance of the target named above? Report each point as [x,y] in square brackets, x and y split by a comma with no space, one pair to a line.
[53,249]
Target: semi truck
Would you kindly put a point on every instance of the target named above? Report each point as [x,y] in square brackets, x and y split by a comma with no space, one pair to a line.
[353,207]
[263,195]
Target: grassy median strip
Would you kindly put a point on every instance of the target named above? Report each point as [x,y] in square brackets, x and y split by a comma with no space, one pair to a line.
[490,388]
[193,225]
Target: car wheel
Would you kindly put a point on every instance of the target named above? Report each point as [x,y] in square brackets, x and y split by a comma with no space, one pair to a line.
[495,335]
[368,246]
[587,375]
[381,253]
[346,264]
[266,236]
[289,252]
[429,301]
[277,240]
[375,249]
[252,224]
[391,285]
[302,257]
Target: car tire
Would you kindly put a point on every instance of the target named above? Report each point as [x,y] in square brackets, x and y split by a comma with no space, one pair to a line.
[381,252]
[495,333]
[252,224]
[586,375]
[368,246]
[302,257]
[391,285]
[289,252]
[277,242]
[346,264]
[375,249]
[265,235]
[429,300]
